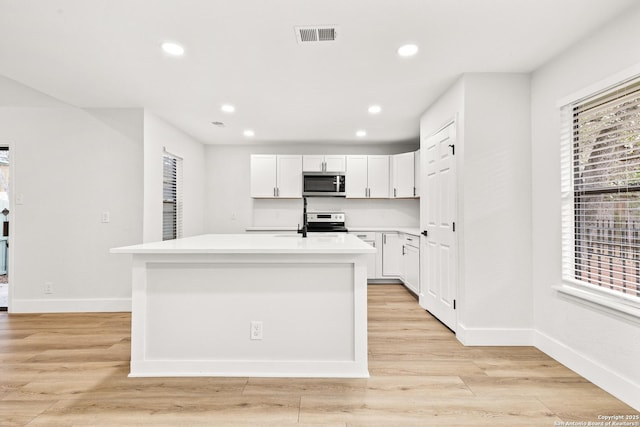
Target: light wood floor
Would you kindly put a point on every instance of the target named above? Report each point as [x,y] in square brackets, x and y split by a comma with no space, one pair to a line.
[71,369]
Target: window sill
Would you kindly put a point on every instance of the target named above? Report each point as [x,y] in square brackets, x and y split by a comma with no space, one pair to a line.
[601,300]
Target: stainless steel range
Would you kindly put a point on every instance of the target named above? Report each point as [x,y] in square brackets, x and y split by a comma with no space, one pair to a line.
[326,222]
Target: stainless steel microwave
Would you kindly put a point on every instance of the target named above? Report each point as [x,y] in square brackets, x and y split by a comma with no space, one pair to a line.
[323,184]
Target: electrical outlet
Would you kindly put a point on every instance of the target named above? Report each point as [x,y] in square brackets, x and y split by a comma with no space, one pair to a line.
[105,217]
[256,330]
[48,287]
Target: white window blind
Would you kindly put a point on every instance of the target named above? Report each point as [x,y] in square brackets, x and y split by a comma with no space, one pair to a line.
[171,197]
[601,190]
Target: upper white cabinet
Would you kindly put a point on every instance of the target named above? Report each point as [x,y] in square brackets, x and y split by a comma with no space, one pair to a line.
[324,163]
[403,175]
[416,172]
[367,176]
[276,176]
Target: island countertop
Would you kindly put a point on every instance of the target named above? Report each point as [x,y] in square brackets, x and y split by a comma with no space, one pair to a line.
[253,244]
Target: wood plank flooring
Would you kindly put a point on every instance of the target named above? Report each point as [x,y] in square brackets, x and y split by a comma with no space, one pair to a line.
[71,370]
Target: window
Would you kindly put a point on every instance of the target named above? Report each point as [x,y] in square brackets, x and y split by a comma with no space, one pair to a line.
[171,197]
[601,192]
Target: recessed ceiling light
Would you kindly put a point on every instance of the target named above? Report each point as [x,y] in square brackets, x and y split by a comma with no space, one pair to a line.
[375,109]
[408,50]
[361,133]
[228,108]
[249,133]
[172,48]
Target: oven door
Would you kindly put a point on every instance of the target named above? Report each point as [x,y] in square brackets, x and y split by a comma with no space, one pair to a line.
[323,185]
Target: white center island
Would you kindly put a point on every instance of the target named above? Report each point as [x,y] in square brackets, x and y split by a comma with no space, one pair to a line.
[250,305]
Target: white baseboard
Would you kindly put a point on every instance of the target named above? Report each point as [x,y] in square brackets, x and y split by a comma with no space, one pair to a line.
[70,305]
[598,374]
[494,336]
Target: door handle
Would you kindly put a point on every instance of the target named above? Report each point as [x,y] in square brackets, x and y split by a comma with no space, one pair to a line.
[425,233]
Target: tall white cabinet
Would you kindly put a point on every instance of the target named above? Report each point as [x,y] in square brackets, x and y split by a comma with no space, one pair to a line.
[274,176]
[367,176]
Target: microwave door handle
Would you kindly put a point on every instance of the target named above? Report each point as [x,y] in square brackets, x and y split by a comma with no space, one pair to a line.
[337,183]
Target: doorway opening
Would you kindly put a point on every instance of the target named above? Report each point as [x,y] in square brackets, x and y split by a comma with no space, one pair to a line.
[4,228]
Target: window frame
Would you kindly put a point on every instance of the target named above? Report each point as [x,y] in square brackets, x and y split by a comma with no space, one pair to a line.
[610,301]
[178,194]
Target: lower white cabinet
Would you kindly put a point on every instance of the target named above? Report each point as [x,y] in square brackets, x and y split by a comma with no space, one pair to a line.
[391,255]
[411,263]
[372,259]
[398,257]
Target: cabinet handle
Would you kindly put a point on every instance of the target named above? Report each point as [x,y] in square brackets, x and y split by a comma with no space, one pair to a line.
[414,191]
[362,236]
[395,192]
[274,191]
[402,249]
[384,239]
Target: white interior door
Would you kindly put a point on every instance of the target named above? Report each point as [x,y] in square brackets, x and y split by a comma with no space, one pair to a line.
[438,250]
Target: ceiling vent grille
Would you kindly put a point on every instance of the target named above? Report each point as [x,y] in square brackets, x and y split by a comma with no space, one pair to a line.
[316,34]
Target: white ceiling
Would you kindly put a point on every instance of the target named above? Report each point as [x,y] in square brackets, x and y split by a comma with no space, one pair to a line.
[105,53]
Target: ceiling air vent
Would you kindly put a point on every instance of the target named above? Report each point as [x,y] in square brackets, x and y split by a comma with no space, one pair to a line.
[316,34]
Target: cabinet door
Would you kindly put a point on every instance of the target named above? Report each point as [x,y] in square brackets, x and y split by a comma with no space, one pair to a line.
[411,259]
[402,167]
[289,176]
[378,176]
[335,163]
[391,255]
[312,163]
[416,174]
[356,177]
[263,175]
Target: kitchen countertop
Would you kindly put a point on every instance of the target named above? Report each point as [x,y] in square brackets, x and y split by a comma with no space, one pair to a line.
[253,244]
[408,230]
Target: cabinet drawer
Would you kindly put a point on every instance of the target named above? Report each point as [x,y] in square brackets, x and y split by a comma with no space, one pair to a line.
[364,235]
[411,240]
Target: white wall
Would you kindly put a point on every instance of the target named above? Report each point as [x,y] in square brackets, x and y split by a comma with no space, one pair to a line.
[230,209]
[70,165]
[600,346]
[159,135]
[493,177]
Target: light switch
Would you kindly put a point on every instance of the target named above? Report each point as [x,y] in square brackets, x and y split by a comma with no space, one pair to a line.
[19,199]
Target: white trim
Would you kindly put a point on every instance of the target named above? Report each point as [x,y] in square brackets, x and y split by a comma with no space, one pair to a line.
[602,300]
[12,227]
[70,305]
[600,375]
[600,86]
[494,336]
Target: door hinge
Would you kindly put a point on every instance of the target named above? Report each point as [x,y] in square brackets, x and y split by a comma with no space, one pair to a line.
[453,149]
[454,304]
[454,226]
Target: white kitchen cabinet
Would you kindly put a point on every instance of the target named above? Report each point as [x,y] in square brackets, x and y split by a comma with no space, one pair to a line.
[367,176]
[391,255]
[274,176]
[372,259]
[416,173]
[402,175]
[411,263]
[324,163]
[264,175]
